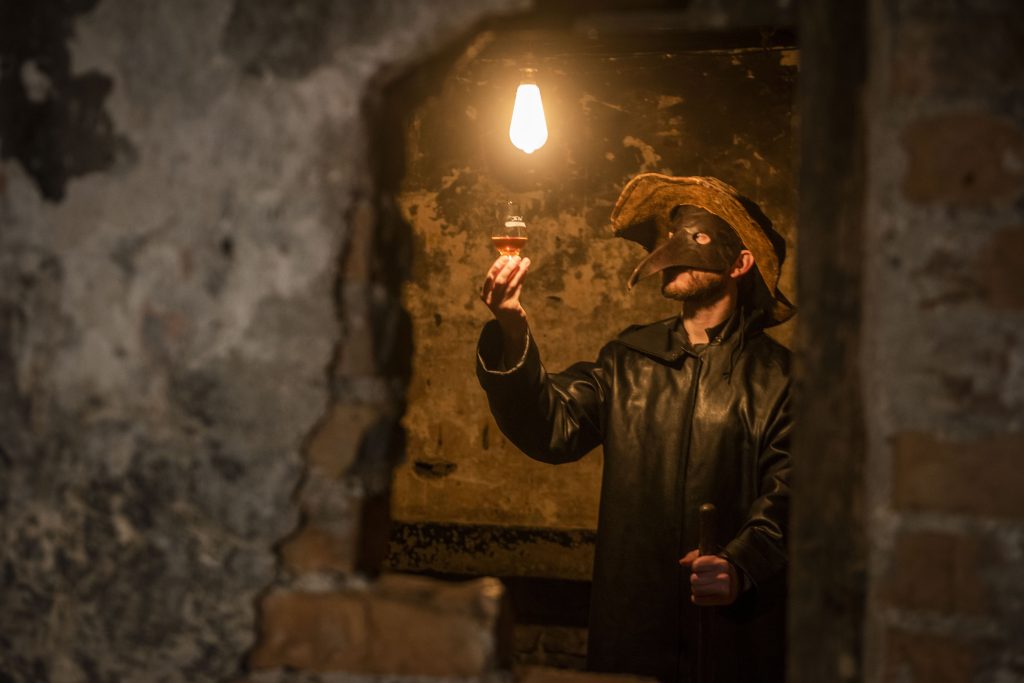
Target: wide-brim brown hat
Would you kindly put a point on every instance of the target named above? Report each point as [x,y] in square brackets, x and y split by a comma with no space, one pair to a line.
[642,215]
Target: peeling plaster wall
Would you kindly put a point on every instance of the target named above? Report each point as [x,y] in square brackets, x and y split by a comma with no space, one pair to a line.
[728,113]
[168,314]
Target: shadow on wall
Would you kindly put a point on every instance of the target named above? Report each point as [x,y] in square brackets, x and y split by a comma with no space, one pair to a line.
[54,122]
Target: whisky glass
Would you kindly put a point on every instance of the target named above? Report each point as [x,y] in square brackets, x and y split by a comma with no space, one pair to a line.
[509,230]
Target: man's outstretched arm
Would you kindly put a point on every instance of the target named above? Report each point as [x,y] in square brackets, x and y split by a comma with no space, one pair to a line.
[552,418]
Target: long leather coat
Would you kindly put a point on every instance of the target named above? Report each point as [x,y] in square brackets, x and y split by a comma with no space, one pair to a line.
[681,426]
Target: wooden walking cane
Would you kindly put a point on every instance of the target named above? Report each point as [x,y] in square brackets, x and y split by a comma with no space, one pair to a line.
[705,615]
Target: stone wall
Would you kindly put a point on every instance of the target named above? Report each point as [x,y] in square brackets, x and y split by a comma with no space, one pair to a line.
[180,184]
[944,237]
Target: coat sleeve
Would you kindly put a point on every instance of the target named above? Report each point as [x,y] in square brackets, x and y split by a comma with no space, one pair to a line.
[759,549]
[554,418]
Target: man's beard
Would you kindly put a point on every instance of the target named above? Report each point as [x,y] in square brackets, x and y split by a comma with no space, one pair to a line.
[702,286]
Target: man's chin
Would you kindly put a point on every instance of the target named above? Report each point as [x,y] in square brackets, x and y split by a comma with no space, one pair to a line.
[670,292]
[674,291]
[701,285]
[668,277]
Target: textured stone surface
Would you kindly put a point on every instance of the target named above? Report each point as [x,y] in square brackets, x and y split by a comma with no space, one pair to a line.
[402,625]
[190,297]
[964,159]
[932,58]
[55,120]
[168,319]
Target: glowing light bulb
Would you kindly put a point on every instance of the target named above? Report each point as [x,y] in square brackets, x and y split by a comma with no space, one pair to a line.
[528,130]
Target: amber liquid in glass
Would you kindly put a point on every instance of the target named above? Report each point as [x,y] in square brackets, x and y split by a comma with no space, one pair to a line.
[509,245]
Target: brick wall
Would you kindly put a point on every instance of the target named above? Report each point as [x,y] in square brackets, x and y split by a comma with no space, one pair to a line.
[944,342]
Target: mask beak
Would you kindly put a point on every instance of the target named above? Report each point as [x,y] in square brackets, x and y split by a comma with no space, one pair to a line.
[680,250]
[649,266]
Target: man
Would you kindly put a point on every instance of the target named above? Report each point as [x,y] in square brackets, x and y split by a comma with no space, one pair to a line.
[690,410]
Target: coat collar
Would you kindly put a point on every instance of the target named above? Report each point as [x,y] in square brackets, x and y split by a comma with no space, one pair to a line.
[661,339]
[655,339]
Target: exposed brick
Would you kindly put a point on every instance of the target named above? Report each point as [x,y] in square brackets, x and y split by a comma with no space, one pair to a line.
[314,549]
[357,357]
[403,625]
[336,439]
[356,262]
[345,528]
[994,277]
[1001,269]
[980,476]
[914,658]
[937,571]
[963,159]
